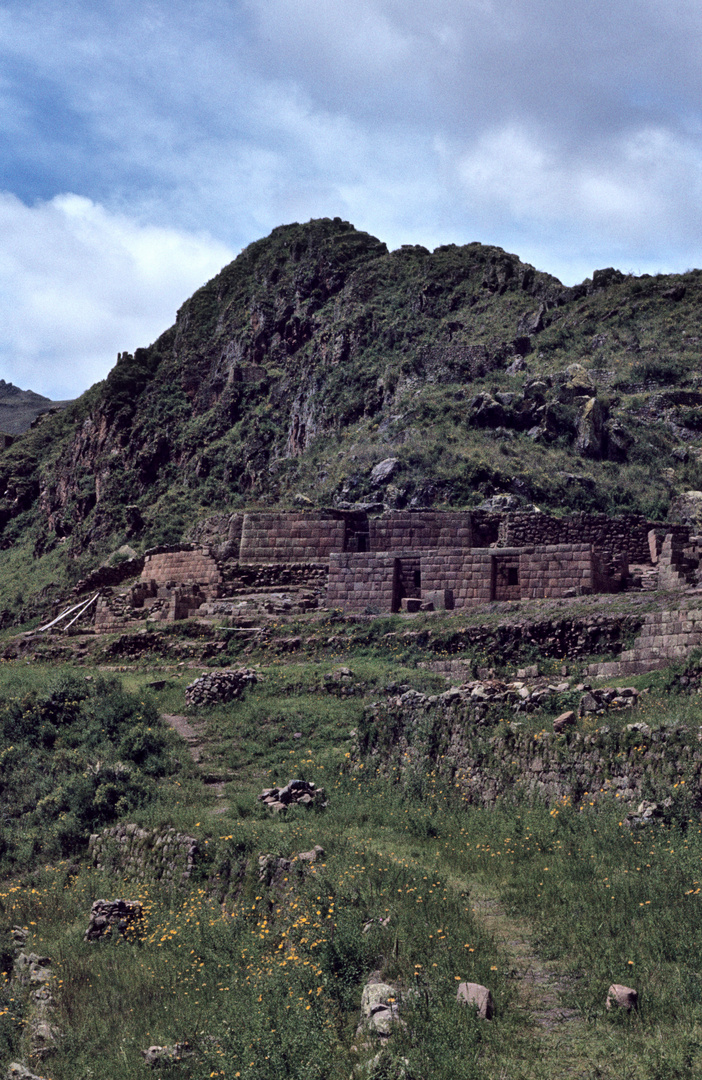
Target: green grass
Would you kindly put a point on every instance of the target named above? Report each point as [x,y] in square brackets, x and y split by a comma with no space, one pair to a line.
[264,980]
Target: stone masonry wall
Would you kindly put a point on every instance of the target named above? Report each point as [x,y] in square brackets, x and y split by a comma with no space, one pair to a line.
[162,855]
[626,535]
[409,737]
[403,531]
[557,570]
[195,567]
[358,580]
[290,537]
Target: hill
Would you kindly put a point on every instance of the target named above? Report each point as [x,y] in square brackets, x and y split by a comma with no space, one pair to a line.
[317,354]
[20,408]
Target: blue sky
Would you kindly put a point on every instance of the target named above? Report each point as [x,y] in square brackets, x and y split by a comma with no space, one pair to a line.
[144,144]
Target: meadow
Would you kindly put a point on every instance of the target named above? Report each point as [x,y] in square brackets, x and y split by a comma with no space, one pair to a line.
[260,975]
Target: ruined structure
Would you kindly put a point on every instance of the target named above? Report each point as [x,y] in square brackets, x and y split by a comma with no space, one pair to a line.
[265,563]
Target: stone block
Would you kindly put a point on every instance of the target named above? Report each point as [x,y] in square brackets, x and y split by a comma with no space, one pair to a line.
[479,997]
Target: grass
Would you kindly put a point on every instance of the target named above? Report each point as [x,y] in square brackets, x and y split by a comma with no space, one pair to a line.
[263,978]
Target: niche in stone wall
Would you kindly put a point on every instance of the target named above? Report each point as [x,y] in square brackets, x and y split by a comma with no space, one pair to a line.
[505,578]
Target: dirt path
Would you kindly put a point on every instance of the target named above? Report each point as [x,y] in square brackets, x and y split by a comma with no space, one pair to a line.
[540,986]
[194,735]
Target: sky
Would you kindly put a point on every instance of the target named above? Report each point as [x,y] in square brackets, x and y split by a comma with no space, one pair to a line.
[143,144]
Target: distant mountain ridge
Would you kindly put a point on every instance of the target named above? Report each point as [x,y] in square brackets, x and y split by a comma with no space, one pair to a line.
[20,408]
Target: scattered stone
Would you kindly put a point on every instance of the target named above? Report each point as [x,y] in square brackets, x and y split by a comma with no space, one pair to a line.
[317,852]
[105,914]
[608,697]
[479,996]
[565,720]
[220,686]
[302,792]
[166,1055]
[622,997]
[16,1071]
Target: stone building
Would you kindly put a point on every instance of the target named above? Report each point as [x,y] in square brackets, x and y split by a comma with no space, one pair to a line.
[398,560]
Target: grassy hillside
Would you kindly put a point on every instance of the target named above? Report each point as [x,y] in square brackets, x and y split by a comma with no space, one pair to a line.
[259,973]
[317,353]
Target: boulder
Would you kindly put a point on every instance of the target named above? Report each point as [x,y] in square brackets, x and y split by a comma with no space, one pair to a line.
[479,997]
[622,997]
[565,720]
[16,1071]
[317,852]
[590,429]
[377,994]
[381,473]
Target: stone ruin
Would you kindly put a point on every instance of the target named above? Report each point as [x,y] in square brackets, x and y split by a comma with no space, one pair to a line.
[258,565]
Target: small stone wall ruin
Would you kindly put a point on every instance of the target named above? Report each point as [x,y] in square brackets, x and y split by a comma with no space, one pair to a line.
[152,855]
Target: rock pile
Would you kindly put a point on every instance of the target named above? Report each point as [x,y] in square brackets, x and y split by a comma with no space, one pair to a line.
[295,792]
[105,914]
[33,972]
[166,1055]
[608,697]
[219,686]
[380,1008]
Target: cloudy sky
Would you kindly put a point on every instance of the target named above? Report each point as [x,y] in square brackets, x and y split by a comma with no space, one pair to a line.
[144,143]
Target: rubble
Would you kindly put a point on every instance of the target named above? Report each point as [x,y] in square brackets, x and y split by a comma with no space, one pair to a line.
[220,686]
[105,914]
[295,792]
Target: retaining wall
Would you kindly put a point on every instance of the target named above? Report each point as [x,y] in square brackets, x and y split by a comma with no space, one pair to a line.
[411,737]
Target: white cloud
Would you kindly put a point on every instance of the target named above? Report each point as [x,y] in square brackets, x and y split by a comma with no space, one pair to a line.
[79,284]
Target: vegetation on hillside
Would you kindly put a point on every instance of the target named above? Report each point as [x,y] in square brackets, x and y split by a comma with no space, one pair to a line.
[317,353]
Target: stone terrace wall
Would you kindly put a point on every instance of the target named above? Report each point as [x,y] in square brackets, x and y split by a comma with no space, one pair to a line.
[627,535]
[415,735]
[197,566]
[156,855]
[290,537]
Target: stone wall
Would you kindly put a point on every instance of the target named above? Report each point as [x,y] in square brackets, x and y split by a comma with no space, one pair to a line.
[410,737]
[473,577]
[360,580]
[626,535]
[560,570]
[184,567]
[290,537]
[158,855]
[404,531]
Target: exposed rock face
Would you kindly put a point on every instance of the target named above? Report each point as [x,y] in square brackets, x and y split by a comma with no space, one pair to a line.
[591,429]
[687,510]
